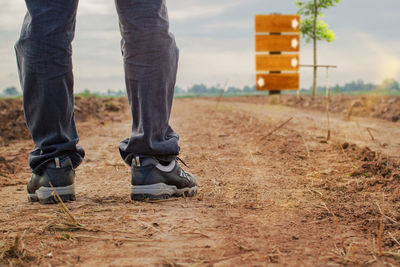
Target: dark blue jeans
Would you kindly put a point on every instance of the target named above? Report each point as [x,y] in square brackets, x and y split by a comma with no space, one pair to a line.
[45,67]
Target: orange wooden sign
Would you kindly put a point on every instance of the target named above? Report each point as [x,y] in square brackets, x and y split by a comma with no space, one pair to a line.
[277,43]
[277,82]
[277,62]
[276,34]
[277,23]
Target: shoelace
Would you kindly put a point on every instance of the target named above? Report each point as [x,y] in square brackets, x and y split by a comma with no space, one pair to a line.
[179,159]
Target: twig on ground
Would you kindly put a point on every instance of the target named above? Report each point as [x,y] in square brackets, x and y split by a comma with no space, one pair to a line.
[242,247]
[64,208]
[345,253]
[370,134]
[252,157]
[115,239]
[347,157]
[381,227]
[195,233]
[392,254]
[350,110]
[395,240]
[306,146]
[314,191]
[275,129]
[391,219]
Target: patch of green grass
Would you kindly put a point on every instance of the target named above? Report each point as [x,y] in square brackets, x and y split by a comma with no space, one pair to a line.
[223,95]
[293,92]
[87,94]
[374,92]
[354,93]
[10,97]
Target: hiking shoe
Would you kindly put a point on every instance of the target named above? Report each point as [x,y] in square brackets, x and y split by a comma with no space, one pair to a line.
[154,181]
[61,175]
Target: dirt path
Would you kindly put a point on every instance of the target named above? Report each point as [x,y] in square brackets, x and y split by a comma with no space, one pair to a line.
[264,200]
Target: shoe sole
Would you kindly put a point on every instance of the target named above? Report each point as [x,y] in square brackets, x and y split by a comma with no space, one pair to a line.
[160,191]
[45,195]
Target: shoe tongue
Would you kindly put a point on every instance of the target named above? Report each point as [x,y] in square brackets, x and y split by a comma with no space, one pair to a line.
[148,161]
[59,163]
[166,168]
[164,163]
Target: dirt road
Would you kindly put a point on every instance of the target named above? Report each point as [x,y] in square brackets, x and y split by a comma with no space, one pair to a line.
[279,198]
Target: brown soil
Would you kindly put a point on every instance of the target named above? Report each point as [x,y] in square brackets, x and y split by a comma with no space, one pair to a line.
[382,107]
[12,123]
[279,196]
[98,108]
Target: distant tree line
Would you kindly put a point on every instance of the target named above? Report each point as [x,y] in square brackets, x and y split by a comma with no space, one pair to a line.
[360,86]
[109,92]
[388,85]
[201,89]
[10,92]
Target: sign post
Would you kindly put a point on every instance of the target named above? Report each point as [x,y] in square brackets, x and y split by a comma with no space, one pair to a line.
[277,52]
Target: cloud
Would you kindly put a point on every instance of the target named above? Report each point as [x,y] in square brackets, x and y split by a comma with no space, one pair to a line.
[12,12]
[244,24]
[102,35]
[216,67]
[11,15]
[200,11]
[88,7]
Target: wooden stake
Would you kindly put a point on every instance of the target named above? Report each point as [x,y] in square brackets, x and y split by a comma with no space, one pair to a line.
[328,100]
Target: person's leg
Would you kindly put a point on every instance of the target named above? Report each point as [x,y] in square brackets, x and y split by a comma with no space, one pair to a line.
[45,68]
[150,61]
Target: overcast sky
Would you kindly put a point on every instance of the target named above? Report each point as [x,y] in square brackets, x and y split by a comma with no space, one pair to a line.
[216,40]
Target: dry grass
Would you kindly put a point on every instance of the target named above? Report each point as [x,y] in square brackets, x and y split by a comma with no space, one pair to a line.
[381,231]
[13,249]
[69,224]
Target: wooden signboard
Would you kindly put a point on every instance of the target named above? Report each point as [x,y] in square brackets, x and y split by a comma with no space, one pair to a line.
[277,23]
[278,81]
[277,62]
[276,34]
[275,43]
